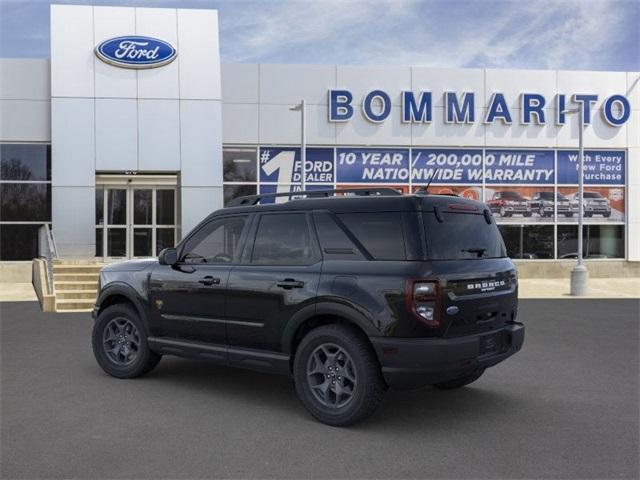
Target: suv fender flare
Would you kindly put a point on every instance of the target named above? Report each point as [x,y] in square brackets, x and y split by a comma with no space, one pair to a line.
[127,291]
[349,314]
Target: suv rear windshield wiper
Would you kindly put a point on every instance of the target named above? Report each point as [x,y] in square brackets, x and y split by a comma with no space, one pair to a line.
[480,251]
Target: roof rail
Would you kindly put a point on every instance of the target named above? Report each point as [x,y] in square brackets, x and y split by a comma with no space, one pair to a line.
[255,199]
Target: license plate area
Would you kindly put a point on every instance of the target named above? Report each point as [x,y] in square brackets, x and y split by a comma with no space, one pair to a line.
[490,344]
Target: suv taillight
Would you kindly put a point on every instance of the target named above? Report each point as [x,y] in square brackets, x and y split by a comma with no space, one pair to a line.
[423,302]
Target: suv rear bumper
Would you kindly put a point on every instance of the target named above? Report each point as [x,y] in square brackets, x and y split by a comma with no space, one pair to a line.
[411,362]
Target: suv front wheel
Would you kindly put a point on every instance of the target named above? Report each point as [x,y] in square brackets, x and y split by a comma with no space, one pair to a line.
[120,343]
[337,375]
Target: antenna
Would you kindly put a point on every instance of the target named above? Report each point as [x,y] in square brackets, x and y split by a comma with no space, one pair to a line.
[426,189]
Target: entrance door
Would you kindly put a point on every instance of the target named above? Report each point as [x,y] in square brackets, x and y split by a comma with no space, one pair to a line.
[134,221]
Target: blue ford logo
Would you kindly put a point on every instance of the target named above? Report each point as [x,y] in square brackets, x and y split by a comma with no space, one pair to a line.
[134,51]
[452,310]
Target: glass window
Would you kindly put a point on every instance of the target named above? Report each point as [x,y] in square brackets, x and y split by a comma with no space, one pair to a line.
[117,242]
[380,233]
[142,206]
[117,207]
[99,206]
[99,243]
[235,191]
[239,164]
[462,236]
[25,162]
[334,241]
[528,241]
[165,207]
[598,241]
[18,242]
[217,242]
[142,242]
[283,239]
[25,202]
[165,238]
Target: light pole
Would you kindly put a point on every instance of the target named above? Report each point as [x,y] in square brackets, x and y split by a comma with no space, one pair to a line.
[580,274]
[303,141]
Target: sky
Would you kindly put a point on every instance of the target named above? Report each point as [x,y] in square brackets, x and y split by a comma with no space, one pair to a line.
[533,34]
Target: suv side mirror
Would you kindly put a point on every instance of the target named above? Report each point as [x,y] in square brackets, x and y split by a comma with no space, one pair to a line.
[168,256]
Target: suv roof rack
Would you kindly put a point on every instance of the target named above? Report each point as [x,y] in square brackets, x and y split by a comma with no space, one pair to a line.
[255,199]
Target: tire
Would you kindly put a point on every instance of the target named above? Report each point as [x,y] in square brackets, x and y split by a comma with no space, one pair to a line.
[527,214]
[568,215]
[120,343]
[460,382]
[351,352]
[606,214]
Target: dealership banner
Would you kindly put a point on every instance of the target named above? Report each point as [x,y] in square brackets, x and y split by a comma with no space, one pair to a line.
[601,167]
[518,166]
[445,166]
[283,165]
[372,165]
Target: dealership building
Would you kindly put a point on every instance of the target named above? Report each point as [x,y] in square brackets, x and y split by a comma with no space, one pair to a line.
[132,132]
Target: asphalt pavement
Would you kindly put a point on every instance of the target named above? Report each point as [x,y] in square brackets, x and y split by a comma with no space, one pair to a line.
[566,406]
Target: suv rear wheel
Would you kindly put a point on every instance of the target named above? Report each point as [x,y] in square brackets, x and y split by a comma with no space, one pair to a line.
[337,375]
[120,344]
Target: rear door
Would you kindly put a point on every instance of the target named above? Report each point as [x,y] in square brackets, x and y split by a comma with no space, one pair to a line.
[278,277]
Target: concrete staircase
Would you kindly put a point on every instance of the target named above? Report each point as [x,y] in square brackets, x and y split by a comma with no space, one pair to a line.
[75,285]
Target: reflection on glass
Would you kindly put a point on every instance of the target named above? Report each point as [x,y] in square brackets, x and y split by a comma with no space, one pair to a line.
[99,243]
[99,206]
[142,207]
[164,238]
[25,162]
[529,242]
[165,207]
[117,207]
[239,164]
[234,191]
[142,238]
[117,242]
[598,241]
[25,202]
[18,242]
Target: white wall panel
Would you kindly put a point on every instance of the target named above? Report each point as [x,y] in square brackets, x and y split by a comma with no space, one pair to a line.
[519,135]
[633,89]
[24,79]
[360,131]
[199,54]
[597,135]
[159,23]
[116,134]
[633,170]
[239,123]
[25,120]
[240,83]
[319,130]
[278,124]
[440,80]
[603,84]
[514,82]
[72,55]
[633,129]
[288,84]
[197,203]
[111,81]
[201,143]
[158,135]
[73,217]
[361,80]
[73,145]
[439,133]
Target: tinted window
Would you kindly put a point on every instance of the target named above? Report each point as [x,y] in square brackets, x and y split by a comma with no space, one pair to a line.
[239,164]
[511,195]
[25,202]
[334,242]
[25,162]
[216,243]
[462,236]
[528,241]
[283,240]
[234,191]
[18,242]
[546,195]
[591,195]
[381,234]
[598,241]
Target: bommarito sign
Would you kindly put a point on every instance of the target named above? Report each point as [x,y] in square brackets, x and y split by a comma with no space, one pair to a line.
[460,108]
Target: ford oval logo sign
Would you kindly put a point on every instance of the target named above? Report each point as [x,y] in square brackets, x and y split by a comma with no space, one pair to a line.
[134,51]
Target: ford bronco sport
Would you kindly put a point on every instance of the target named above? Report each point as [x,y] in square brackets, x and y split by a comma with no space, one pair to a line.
[348,295]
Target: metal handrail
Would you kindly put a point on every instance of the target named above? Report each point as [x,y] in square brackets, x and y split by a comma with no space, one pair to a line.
[48,250]
[255,199]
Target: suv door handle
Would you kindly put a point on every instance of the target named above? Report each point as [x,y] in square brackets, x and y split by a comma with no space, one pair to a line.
[209,280]
[289,283]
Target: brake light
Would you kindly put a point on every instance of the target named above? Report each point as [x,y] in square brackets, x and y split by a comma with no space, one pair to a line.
[423,300]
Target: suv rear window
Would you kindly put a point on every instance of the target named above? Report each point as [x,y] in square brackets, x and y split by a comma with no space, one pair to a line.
[462,236]
[380,233]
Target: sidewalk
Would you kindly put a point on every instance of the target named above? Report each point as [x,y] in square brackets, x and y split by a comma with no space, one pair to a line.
[17,292]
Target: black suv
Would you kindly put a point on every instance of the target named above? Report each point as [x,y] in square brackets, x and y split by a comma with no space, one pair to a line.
[349,295]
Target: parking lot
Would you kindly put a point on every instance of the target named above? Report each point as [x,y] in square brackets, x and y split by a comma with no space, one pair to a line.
[564,407]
